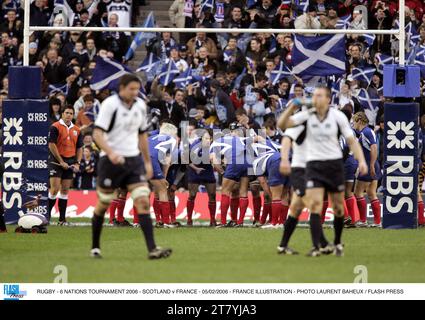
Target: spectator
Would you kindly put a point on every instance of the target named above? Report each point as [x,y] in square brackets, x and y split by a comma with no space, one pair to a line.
[54,110]
[87,170]
[308,20]
[202,41]
[87,116]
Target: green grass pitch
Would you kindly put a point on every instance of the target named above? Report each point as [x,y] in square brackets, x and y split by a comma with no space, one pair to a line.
[209,255]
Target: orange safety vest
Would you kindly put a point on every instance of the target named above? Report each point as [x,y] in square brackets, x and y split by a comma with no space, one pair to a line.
[67,139]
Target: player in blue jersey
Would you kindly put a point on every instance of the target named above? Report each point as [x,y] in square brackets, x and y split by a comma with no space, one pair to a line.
[368,183]
[350,169]
[163,151]
[201,172]
[233,149]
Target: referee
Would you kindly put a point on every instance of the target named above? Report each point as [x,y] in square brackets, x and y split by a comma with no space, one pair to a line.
[325,165]
[121,133]
[66,152]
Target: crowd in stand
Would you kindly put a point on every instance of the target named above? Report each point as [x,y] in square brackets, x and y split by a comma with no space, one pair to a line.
[234,69]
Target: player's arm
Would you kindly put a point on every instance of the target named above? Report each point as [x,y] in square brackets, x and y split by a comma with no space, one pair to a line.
[80,146]
[285,165]
[265,186]
[289,120]
[144,150]
[53,139]
[216,163]
[99,139]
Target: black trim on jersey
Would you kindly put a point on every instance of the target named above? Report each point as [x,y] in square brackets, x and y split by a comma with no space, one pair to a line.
[143,131]
[100,128]
[303,135]
[53,134]
[113,119]
[326,116]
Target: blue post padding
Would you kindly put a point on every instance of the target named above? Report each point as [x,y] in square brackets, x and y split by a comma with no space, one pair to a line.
[401,165]
[24,82]
[25,153]
[411,87]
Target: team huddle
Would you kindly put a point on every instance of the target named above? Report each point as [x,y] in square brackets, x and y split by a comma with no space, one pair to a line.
[320,159]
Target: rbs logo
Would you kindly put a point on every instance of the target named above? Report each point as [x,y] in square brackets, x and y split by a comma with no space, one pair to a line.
[400,181]
[13,131]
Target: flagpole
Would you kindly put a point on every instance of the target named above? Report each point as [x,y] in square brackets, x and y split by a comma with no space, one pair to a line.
[402,36]
[27,8]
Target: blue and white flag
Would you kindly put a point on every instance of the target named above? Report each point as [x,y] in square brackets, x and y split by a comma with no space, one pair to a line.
[302,5]
[412,35]
[219,12]
[343,22]
[250,63]
[107,73]
[368,102]
[251,3]
[382,60]
[62,6]
[207,5]
[168,73]
[419,59]
[364,75]
[369,39]
[281,71]
[150,63]
[58,88]
[142,37]
[273,45]
[335,85]
[319,56]
[184,79]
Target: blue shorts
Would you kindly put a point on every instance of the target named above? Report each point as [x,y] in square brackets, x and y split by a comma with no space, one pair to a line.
[157,170]
[236,171]
[368,177]
[172,173]
[206,176]
[350,169]
[274,177]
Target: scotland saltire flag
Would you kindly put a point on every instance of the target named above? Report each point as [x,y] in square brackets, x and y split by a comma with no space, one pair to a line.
[281,71]
[58,88]
[273,45]
[364,75]
[335,85]
[207,5]
[383,60]
[319,56]
[370,104]
[412,35]
[228,56]
[369,39]
[141,37]
[168,73]
[250,63]
[107,73]
[184,79]
[302,5]
[151,61]
[419,59]
[343,22]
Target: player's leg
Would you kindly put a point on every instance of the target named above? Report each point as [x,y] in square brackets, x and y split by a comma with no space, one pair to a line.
[212,202]
[314,199]
[112,210]
[190,205]
[359,191]
[256,200]
[296,208]
[351,201]
[105,197]
[121,201]
[243,199]
[234,204]
[226,191]
[55,185]
[161,187]
[324,208]
[277,205]
[140,193]
[337,200]
[286,194]
[173,209]
[2,222]
[421,217]
[374,202]
[157,209]
[63,200]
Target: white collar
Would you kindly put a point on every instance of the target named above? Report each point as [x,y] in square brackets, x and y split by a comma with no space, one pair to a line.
[64,124]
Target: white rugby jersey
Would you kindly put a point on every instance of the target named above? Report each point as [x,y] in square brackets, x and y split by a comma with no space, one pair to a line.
[122,9]
[322,137]
[299,146]
[123,125]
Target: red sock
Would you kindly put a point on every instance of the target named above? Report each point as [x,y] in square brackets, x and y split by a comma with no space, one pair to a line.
[165,211]
[352,208]
[190,205]
[324,210]
[112,208]
[224,207]
[212,207]
[120,209]
[256,202]
[173,211]
[266,211]
[243,204]
[421,217]
[234,206]
[157,210]
[376,209]
[346,213]
[135,215]
[283,214]
[276,210]
[362,205]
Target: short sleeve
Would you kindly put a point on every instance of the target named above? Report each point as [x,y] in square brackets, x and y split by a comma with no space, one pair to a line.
[370,136]
[300,117]
[53,134]
[344,125]
[294,133]
[106,115]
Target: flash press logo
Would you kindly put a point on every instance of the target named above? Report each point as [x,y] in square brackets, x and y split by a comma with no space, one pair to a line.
[13,131]
[401,135]
[13,292]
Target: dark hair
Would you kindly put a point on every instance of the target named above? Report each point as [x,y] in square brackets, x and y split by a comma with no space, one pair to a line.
[241,112]
[67,107]
[127,79]
[88,98]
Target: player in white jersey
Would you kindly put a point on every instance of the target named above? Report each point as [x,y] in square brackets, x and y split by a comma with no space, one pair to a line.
[325,167]
[121,134]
